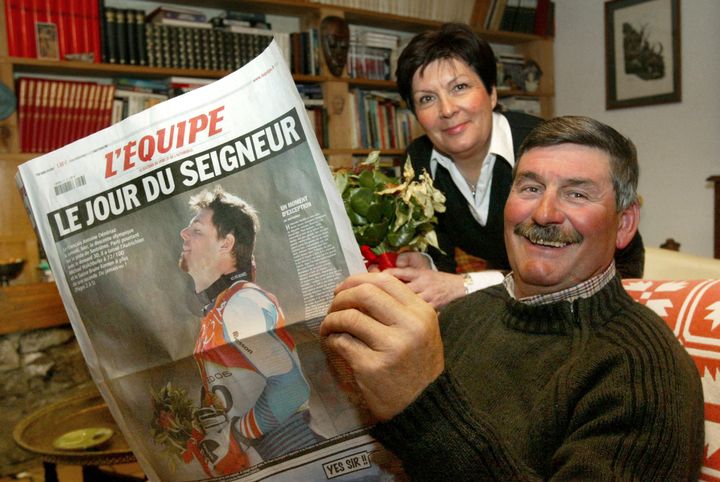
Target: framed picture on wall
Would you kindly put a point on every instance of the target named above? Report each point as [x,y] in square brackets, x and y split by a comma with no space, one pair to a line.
[642,52]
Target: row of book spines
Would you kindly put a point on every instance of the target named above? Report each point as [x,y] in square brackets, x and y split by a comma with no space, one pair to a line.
[53,113]
[77,23]
[184,47]
[319,120]
[381,123]
[212,49]
[371,63]
[124,39]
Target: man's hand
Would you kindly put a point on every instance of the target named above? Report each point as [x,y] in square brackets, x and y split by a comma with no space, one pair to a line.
[435,287]
[389,337]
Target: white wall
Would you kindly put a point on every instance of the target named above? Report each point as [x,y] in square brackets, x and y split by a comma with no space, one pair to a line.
[679,143]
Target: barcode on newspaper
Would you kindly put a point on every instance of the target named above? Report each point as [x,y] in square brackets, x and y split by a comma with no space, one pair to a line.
[69,185]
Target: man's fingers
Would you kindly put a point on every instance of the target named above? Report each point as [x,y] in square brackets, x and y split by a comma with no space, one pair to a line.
[348,347]
[384,282]
[358,325]
[381,307]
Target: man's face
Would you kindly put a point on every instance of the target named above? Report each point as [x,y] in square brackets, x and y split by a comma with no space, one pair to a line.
[201,249]
[454,108]
[561,224]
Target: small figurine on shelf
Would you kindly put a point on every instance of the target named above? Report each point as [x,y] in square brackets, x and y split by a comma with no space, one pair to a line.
[531,73]
[390,215]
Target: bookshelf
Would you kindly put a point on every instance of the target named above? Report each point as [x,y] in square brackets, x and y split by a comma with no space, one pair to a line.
[17,238]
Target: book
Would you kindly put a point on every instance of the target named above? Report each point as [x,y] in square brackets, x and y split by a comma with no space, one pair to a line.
[528,105]
[37,128]
[140,37]
[121,32]
[104,115]
[176,13]
[93,27]
[176,22]
[507,22]
[26,91]
[11,25]
[544,18]
[525,16]
[133,54]
[134,102]
[111,35]
[47,137]
[64,113]
[498,14]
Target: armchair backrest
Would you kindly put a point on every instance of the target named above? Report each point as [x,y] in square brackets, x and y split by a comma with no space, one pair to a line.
[691,308]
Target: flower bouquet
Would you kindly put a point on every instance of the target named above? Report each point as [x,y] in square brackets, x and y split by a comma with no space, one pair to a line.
[390,215]
[174,425]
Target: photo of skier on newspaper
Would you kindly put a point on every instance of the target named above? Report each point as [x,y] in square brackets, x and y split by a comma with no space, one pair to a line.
[242,343]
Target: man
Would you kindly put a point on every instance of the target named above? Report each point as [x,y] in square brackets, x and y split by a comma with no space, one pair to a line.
[254,397]
[556,373]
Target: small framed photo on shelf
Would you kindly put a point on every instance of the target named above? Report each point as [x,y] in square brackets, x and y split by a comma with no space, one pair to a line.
[47,41]
[642,52]
[510,72]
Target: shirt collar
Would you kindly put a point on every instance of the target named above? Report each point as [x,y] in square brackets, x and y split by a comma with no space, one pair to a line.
[501,145]
[583,290]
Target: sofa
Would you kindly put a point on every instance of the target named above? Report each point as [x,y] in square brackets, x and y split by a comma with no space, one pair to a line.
[685,291]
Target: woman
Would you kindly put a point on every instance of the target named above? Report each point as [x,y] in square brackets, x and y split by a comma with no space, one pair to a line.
[447,77]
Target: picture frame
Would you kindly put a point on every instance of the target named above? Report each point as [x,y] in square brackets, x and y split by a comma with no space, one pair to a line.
[642,52]
[46,36]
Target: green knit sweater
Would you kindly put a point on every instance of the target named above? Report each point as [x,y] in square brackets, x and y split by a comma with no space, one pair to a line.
[596,389]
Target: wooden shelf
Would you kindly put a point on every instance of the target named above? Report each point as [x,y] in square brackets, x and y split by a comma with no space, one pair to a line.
[340,151]
[72,67]
[30,306]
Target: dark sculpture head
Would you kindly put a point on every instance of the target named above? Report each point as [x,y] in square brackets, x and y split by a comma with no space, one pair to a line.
[335,41]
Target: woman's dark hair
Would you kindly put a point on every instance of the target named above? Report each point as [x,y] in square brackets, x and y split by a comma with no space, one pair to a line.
[450,41]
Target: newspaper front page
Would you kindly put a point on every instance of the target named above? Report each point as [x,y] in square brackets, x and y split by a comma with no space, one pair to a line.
[210,377]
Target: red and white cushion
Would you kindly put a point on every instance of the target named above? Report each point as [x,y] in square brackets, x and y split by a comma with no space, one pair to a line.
[691,308]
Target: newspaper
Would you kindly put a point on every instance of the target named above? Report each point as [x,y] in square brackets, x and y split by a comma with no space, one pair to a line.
[210,378]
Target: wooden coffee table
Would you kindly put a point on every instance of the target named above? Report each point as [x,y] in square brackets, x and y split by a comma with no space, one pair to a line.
[36,433]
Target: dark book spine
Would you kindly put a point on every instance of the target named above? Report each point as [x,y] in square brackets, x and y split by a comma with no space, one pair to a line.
[150,49]
[164,45]
[111,35]
[131,34]
[214,50]
[194,49]
[102,23]
[140,34]
[172,47]
[181,47]
[122,36]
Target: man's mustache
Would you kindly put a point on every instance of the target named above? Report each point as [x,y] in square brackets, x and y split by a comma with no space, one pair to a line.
[548,234]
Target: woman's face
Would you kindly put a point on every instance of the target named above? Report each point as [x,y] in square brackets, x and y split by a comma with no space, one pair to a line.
[454,108]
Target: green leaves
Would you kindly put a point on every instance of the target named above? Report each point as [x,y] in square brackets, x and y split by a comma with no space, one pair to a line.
[389,215]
